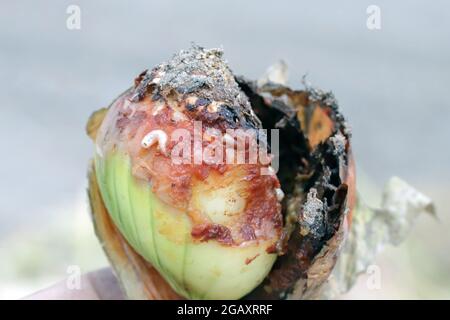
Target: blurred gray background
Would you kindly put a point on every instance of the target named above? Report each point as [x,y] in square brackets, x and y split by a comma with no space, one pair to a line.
[392,85]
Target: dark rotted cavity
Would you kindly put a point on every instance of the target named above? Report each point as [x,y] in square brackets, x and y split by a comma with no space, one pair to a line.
[301,249]
[293,145]
[320,169]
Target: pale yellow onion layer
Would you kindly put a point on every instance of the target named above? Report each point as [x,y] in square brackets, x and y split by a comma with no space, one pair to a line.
[161,234]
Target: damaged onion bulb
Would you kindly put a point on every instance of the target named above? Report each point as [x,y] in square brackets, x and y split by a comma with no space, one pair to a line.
[182,175]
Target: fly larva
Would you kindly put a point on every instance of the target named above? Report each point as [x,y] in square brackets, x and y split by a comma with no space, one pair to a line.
[155,136]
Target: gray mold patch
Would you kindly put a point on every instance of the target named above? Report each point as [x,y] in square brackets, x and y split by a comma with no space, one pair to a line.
[339,142]
[204,74]
[312,216]
[199,71]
